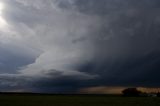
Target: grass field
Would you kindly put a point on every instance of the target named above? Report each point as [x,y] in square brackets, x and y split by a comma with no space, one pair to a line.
[76,100]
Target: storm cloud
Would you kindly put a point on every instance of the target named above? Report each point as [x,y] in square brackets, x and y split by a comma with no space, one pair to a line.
[65,45]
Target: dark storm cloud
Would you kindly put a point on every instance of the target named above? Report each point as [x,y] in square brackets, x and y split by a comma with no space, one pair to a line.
[84,43]
[136,71]
[53,82]
[126,42]
[11,59]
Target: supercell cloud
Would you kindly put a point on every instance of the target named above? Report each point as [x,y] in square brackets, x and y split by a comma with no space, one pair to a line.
[66,45]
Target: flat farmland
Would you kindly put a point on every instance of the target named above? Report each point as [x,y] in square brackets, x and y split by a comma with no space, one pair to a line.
[76,100]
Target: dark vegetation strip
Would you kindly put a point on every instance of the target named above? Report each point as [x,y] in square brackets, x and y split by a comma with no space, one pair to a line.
[56,94]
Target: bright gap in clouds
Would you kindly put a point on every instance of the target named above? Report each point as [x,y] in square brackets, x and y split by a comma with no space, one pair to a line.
[1,7]
[2,20]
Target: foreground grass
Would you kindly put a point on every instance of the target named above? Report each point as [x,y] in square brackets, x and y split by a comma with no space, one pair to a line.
[76,100]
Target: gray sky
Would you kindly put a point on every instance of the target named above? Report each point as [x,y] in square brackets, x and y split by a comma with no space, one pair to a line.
[65,45]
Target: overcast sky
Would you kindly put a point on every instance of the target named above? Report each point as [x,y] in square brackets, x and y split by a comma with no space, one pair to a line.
[67,45]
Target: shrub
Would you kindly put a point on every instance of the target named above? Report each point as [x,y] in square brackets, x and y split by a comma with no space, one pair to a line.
[131,92]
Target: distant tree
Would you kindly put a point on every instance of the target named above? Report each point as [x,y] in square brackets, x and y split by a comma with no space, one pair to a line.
[158,94]
[131,92]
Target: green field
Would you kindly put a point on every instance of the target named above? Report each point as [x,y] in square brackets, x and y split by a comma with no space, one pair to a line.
[76,100]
